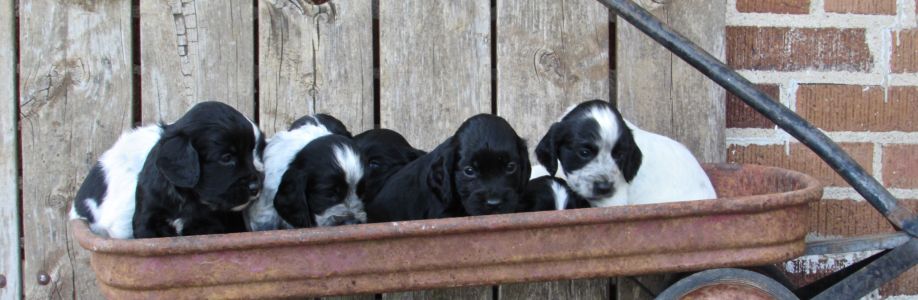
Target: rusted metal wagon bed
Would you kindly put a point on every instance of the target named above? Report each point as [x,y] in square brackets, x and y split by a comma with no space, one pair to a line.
[759,219]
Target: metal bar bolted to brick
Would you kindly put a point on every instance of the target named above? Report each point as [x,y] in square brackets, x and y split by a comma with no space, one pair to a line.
[868,278]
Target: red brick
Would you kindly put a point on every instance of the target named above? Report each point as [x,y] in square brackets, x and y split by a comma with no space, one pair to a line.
[905,51]
[794,49]
[774,6]
[801,159]
[900,166]
[859,108]
[740,115]
[849,218]
[866,7]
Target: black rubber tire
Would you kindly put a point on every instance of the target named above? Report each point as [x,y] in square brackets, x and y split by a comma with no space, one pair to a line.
[726,276]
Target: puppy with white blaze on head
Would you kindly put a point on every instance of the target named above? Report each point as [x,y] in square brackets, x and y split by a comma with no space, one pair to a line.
[313,178]
[608,161]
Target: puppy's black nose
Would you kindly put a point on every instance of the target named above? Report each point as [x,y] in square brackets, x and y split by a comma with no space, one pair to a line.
[602,188]
[254,188]
[494,202]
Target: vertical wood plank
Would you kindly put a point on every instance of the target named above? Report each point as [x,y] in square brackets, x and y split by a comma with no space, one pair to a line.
[550,55]
[644,77]
[584,289]
[193,51]
[699,103]
[435,71]
[435,66]
[471,293]
[75,101]
[10,263]
[661,93]
[315,59]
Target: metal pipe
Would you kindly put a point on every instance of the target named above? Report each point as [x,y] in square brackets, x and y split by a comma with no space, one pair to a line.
[841,162]
[875,274]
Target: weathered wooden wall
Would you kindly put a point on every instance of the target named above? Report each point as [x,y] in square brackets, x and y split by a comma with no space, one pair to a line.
[9,195]
[314,59]
[75,100]
[193,51]
[661,93]
[419,67]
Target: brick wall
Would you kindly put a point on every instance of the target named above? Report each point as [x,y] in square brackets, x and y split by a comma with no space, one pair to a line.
[849,67]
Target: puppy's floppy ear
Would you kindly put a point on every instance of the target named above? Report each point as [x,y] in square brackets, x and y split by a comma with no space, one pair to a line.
[525,165]
[440,178]
[333,125]
[178,161]
[627,155]
[547,150]
[290,200]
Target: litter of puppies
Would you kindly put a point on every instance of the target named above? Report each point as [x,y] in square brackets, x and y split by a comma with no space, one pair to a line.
[213,171]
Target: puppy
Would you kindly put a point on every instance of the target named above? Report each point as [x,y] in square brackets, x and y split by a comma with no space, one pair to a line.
[190,177]
[314,177]
[609,161]
[549,193]
[482,169]
[387,152]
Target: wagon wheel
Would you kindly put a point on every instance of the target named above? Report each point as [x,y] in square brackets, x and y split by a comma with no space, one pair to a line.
[727,284]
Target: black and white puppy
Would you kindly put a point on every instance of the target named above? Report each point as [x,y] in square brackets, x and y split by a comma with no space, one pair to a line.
[609,161]
[549,193]
[314,177]
[387,152]
[190,177]
[482,169]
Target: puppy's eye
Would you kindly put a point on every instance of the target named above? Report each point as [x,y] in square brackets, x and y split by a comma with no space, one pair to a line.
[469,171]
[511,167]
[585,152]
[226,158]
[373,164]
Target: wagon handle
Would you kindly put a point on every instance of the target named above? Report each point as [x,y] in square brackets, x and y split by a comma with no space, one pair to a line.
[887,265]
[878,196]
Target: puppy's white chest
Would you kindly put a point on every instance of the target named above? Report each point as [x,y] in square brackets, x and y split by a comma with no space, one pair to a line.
[178,224]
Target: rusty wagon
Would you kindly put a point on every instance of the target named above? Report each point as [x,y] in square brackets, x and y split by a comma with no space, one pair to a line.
[757,221]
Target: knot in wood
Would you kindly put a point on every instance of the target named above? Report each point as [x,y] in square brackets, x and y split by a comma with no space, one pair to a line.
[2,281]
[652,4]
[548,65]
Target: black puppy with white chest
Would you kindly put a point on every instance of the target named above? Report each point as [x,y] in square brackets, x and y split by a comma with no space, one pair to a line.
[482,169]
[204,170]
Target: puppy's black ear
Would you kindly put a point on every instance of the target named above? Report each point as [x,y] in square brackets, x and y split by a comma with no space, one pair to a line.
[627,155]
[547,150]
[440,178]
[333,125]
[525,165]
[178,161]
[290,200]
